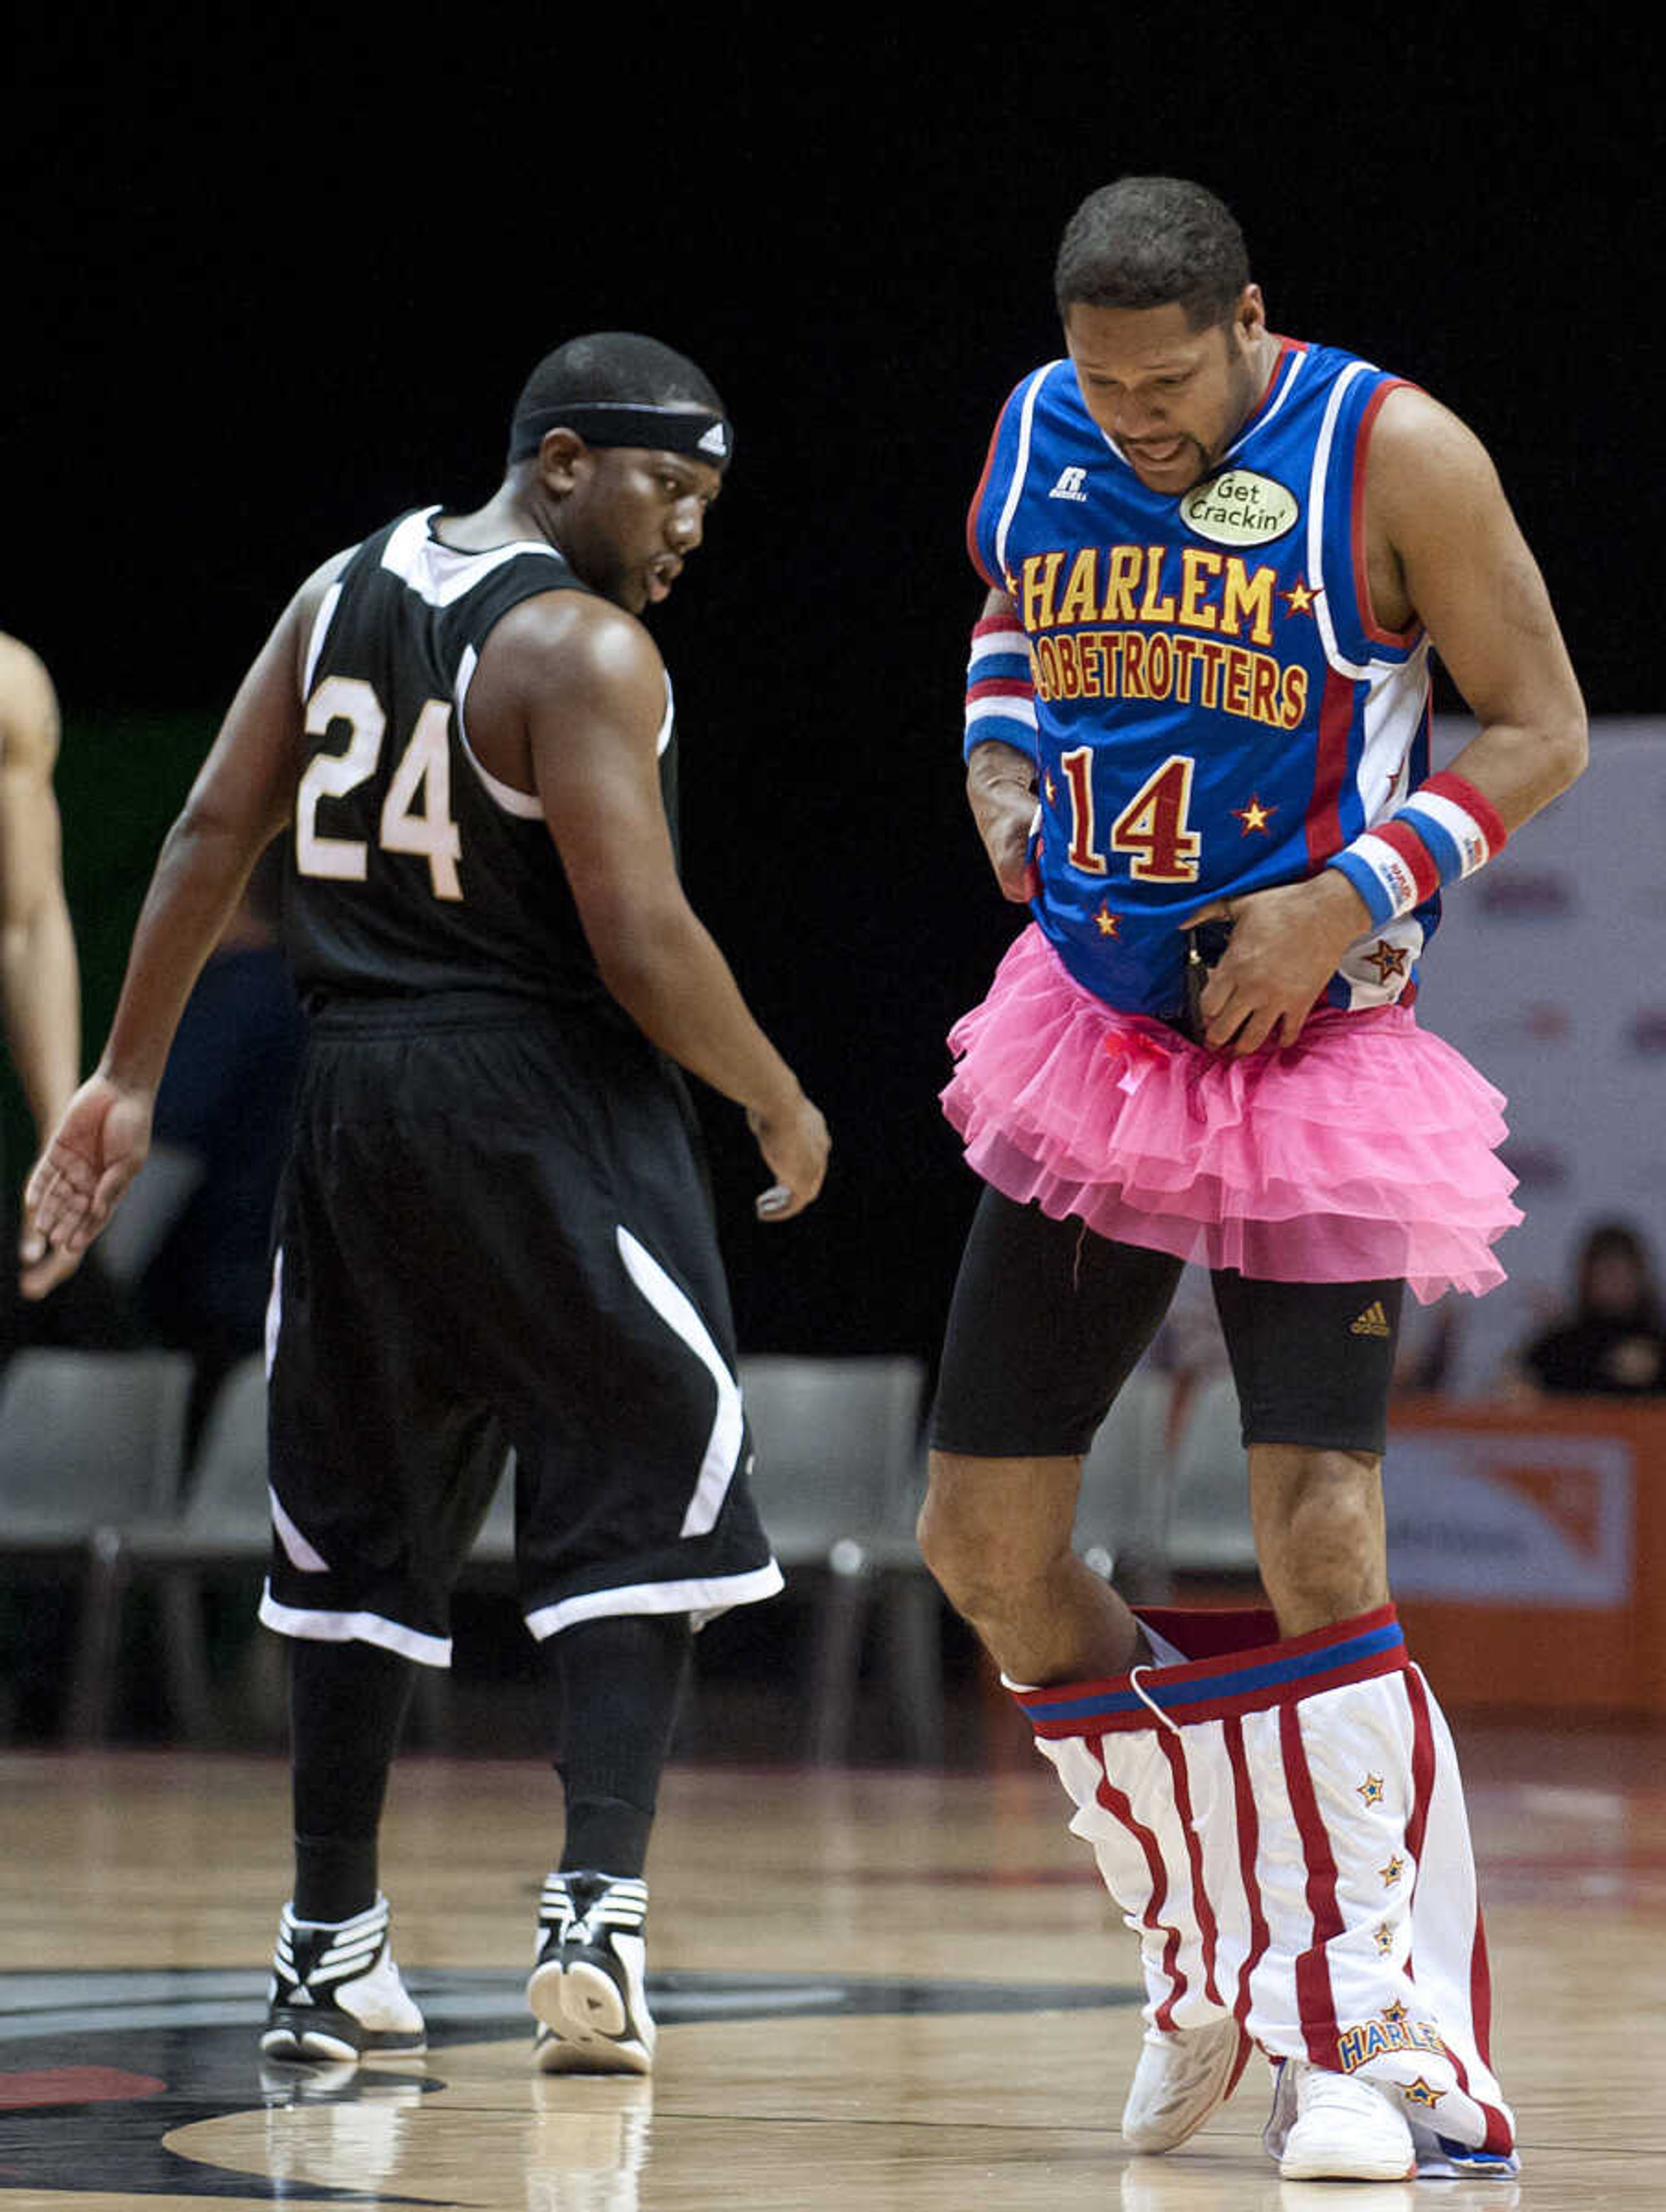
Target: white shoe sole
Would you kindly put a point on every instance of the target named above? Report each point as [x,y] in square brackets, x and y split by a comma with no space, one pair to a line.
[1339,2161]
[316,2047]
[1311,2168]
[585,2013]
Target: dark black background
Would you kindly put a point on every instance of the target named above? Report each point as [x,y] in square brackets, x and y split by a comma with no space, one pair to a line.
[273,282]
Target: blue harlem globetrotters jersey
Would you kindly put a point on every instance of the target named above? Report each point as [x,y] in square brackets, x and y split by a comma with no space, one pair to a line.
[1214,709]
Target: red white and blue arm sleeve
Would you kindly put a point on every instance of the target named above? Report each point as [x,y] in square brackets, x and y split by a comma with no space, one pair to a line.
[1000,691]
[1444,831]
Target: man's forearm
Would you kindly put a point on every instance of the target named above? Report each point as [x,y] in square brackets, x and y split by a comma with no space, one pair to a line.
[199,881]
[677,986]
[993,769]
[1001,793]
[1522,769]
[1458,819]
[42,988]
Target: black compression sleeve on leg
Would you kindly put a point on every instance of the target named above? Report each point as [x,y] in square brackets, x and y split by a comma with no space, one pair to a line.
[620,1683]
[347,1705]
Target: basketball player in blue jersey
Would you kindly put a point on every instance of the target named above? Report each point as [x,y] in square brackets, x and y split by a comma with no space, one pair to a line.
[1198,742]
[494,1229]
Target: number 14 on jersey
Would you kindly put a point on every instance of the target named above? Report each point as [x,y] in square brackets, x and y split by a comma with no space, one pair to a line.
[1154,828]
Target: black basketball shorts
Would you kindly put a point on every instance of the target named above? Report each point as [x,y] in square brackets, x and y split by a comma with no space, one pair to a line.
[493,1231]
[1048,1321]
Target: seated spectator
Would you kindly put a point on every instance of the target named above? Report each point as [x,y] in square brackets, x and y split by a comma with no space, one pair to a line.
[1613,1343]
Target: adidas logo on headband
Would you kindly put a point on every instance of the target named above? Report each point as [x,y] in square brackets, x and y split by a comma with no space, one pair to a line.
[693,430]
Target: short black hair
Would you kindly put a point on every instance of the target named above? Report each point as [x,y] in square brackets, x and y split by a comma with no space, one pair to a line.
[1147,241]
[618,366]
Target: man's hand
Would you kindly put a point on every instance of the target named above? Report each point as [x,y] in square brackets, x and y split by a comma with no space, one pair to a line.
[98,1145]
[1001,791]
[794,1142]
[1286,945]
[42,1266]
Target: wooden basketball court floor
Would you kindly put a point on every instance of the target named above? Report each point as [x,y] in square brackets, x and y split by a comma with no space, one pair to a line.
[878,1989]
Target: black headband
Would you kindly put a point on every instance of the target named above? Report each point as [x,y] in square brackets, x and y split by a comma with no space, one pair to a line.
[694,431]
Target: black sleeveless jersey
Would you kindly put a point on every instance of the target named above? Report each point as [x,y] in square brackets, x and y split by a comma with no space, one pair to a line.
[411,869]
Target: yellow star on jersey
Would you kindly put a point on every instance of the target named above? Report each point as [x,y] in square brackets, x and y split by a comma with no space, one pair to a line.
[1384,1939]
[1049,787]
[1419,2092]
[1371,1789]
[1255,816]
[1395,2013]
[1107,923]
[1300,597]
[1388,959]
[1393,1871]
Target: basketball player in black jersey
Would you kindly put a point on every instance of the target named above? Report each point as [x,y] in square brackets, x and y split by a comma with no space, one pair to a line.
[493,1230]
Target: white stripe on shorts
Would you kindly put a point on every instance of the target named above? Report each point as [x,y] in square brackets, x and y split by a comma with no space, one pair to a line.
[703,1599]
[723,1448]
[322,1627]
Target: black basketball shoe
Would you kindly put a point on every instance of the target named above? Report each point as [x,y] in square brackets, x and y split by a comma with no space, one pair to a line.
[587,1988]
[335,1993]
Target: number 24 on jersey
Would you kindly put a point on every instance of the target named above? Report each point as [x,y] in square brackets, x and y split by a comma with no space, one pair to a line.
[416,811]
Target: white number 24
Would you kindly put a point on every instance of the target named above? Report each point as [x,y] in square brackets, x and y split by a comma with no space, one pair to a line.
[416,813]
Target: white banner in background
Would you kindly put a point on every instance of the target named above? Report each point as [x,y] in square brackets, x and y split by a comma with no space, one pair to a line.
[1549,973]
[1480,1518]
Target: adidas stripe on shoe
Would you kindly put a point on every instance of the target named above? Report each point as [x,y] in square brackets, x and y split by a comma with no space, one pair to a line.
[335,1993]
[588,1990]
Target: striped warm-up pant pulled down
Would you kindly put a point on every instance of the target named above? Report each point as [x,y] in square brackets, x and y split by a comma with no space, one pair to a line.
[1283,1825]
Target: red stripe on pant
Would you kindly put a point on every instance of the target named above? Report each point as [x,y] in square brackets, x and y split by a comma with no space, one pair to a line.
[1422,1777]
[1316,2002]
[1120,1808]
[1499,2138]
[1249,1844]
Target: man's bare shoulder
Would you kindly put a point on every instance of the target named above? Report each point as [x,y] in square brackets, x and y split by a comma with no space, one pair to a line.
[311,594]
[300,618]
[28,707]
[1420,449]
[574,644]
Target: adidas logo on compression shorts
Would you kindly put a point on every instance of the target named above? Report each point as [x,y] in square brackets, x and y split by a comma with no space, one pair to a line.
[1373,1322]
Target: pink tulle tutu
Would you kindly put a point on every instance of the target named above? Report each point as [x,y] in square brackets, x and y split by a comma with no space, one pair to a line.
[1365,1150]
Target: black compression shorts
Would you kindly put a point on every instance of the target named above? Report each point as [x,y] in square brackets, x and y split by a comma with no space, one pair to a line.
[1048,1321]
